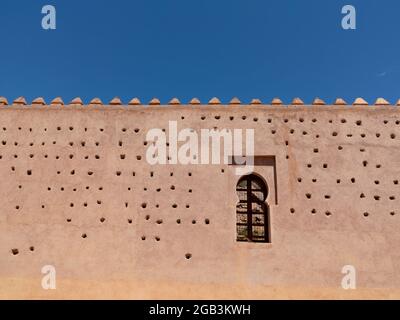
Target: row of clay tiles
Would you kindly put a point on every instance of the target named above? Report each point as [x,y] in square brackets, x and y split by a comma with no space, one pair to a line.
[195,101]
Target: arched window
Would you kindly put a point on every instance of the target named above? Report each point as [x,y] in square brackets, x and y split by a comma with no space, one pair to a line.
[252,213]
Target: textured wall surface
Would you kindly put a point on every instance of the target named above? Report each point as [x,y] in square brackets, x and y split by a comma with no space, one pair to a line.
[77,193]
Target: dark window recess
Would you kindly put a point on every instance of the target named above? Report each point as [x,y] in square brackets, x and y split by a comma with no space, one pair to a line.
[252,213]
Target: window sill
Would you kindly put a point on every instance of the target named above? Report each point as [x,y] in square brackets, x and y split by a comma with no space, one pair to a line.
[253,245]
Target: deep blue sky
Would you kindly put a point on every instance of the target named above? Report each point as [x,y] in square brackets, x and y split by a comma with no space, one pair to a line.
[200,48]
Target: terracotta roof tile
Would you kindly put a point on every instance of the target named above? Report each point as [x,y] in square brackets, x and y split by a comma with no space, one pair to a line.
[3,101]
[57,101]
[318,102]
[255,102]
[276,102]
[381,102]
[214,101]
[340,102]
[154,102]
[174,101]
[96,101]
[39,101]
[20,101]
[297,102]
[115,101]
[135,102]
[235,101]
[360,102]
[77,101]
[195,101]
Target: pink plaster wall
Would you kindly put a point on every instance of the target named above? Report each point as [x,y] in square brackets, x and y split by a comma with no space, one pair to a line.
[308,249]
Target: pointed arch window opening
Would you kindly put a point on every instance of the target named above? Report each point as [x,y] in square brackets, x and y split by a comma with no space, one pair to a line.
[252,212]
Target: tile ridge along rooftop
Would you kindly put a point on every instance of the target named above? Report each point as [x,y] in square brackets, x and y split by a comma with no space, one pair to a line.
[276,102]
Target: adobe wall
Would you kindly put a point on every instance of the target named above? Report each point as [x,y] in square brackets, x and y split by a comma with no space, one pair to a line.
[337,170]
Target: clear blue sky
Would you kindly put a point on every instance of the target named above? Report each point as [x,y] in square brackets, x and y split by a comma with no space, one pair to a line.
[200,48]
